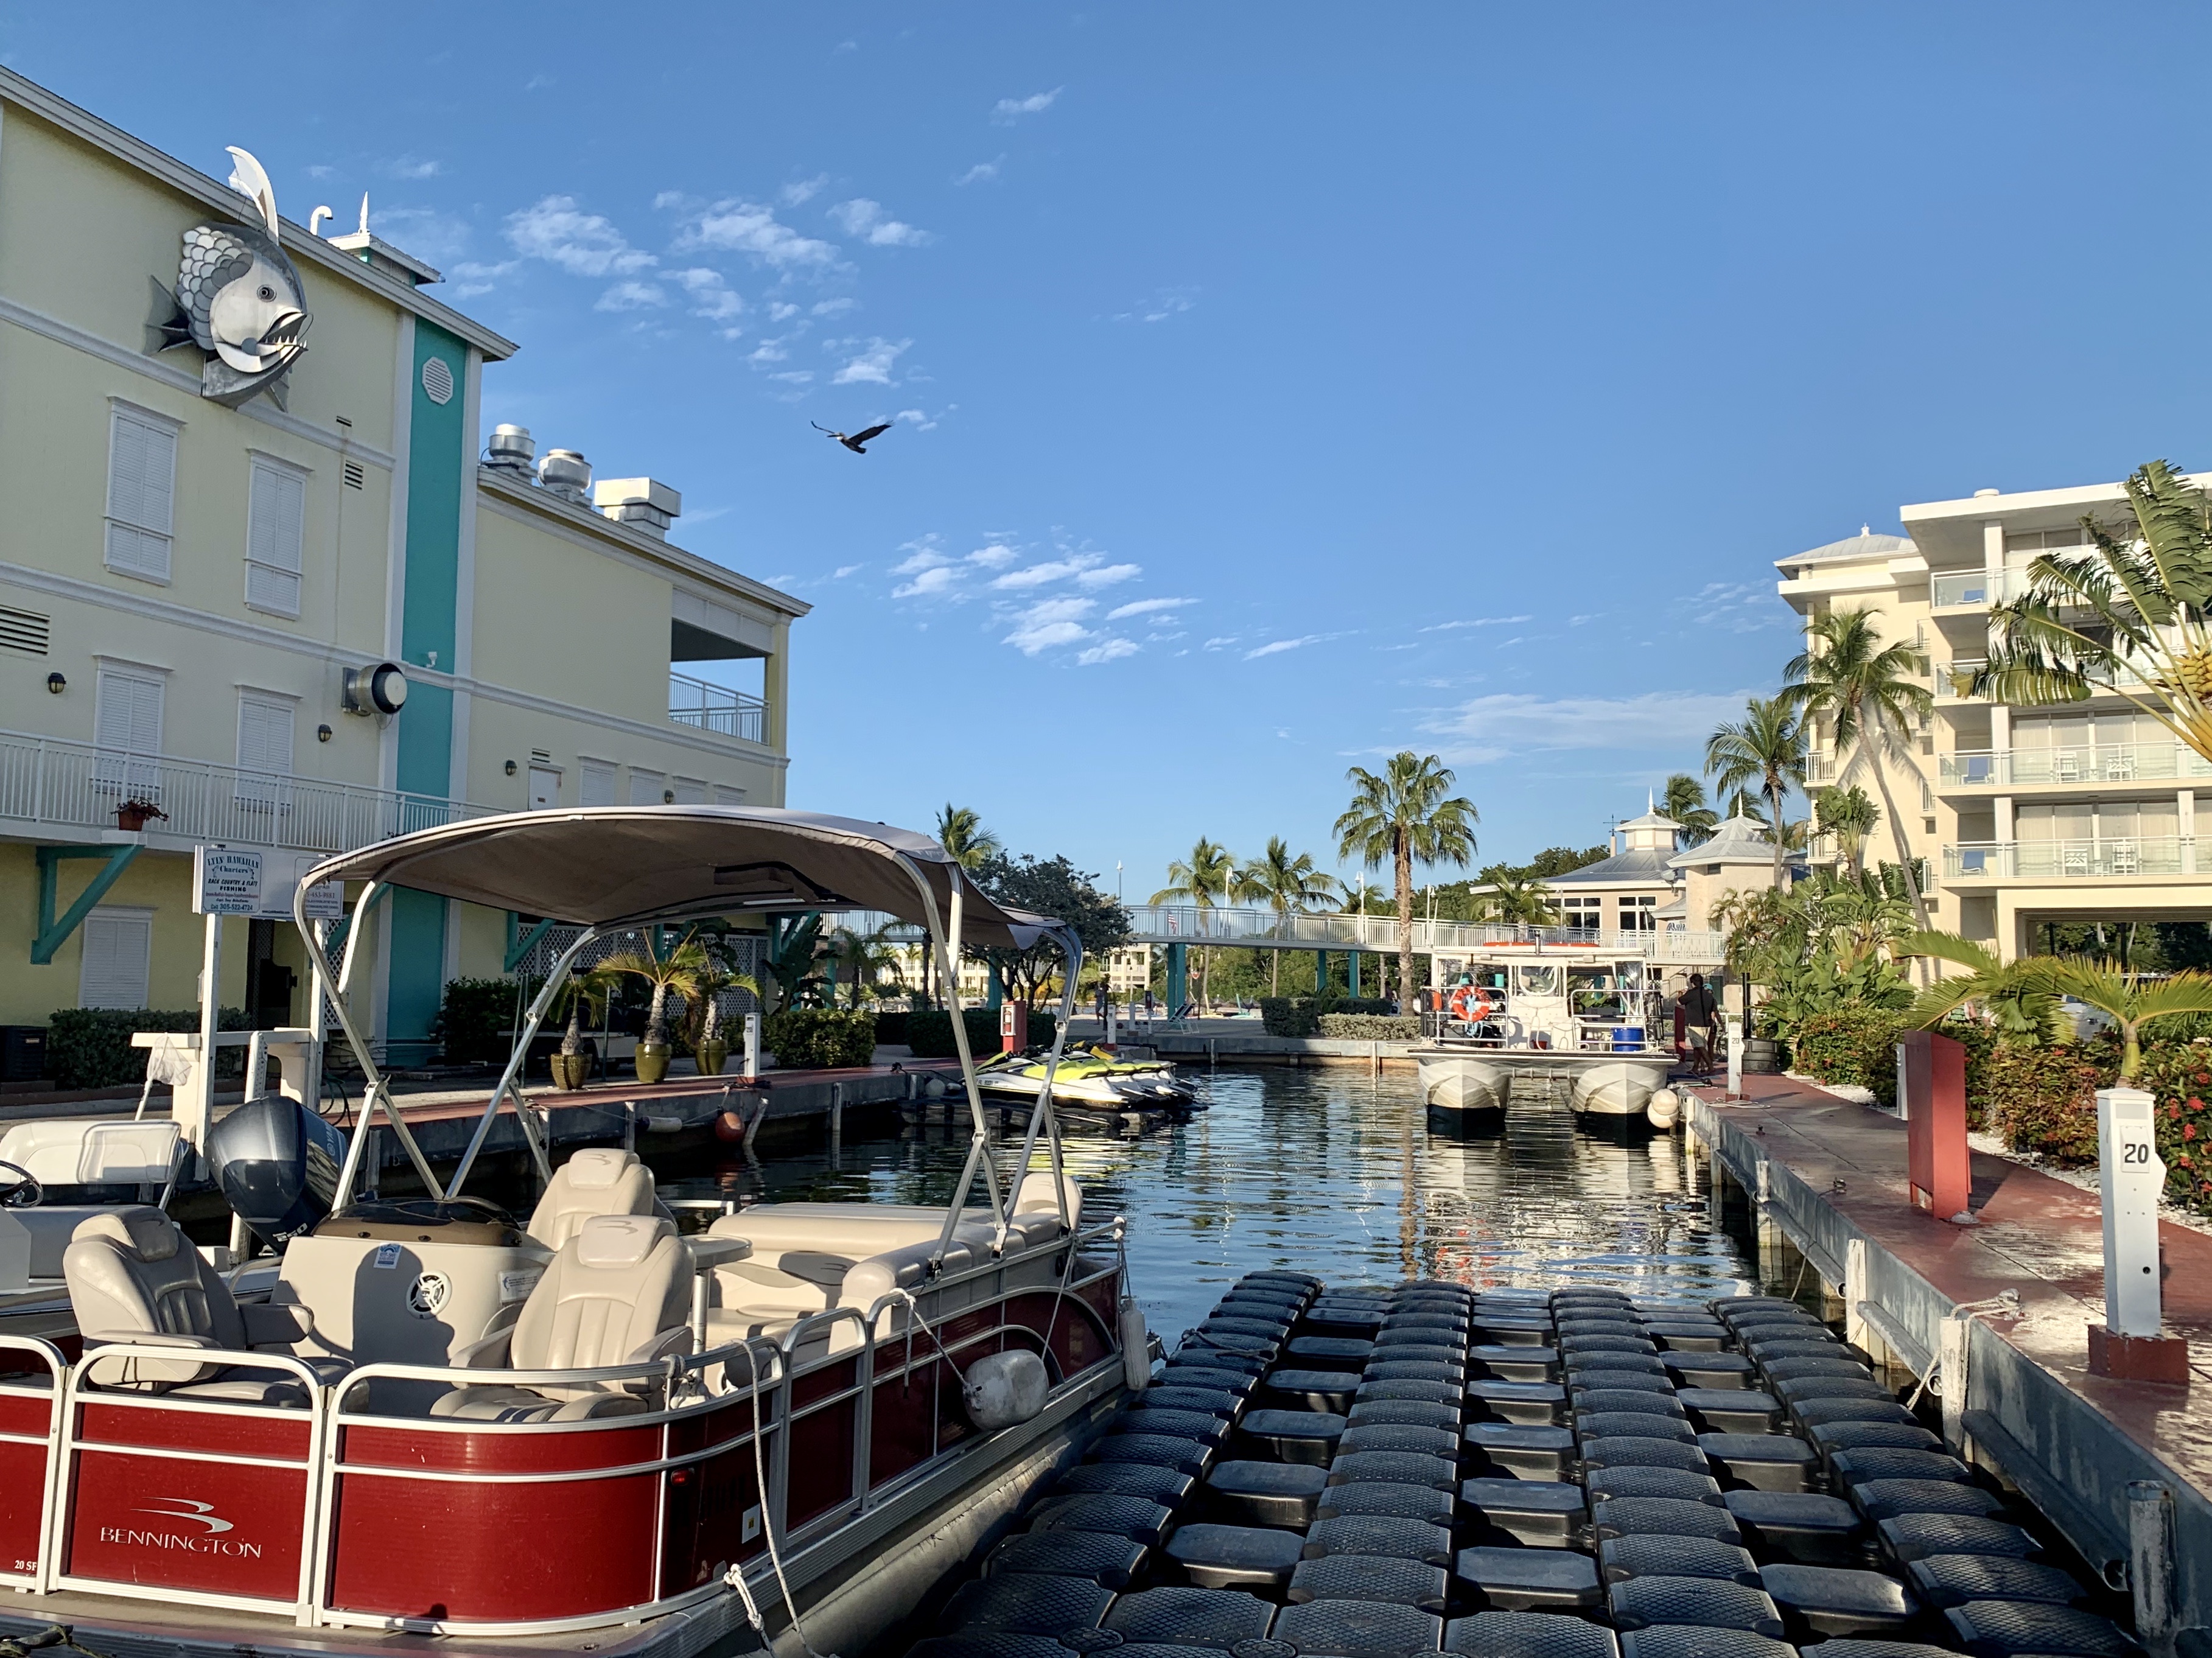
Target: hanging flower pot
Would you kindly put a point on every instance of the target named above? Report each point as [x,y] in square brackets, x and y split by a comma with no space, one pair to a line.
[133,815]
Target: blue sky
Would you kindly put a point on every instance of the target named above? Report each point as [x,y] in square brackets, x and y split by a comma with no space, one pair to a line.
[1272,388]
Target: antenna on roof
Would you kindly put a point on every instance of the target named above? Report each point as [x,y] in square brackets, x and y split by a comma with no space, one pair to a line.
[364,213]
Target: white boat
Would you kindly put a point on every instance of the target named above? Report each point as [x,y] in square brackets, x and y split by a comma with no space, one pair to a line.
[1552,1011]
[431,1417]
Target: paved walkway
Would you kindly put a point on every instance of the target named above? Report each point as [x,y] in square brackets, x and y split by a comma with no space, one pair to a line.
[2038,1235]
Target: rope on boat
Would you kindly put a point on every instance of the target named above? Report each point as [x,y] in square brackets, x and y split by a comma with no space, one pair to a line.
[736,1575]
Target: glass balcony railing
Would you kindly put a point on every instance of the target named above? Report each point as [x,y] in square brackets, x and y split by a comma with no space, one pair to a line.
[1974,587]
[2108,763]
[2064,861]
[1950,676]
[716,709]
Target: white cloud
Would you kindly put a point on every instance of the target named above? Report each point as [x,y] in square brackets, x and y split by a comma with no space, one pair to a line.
[1147,606]
[872,366]
[1049,622]
[1513,723]
[1276,647]
[1167,302]
[1007,110]
[747,227]
[932,583]
[438,238]
[1107,650]
[795,376]
[766,351]
[921,555]
[538,84]
[1477,622]
[1110,575]
[319,171]
[1577,621]
[631,296]
[799,192]
[414,167]
[1221,639]
[844,570]
[865,219]
[1043,575]
[995,556]
[922,420]
[713,298]
[981,172]
[582,244]
[780,310]
[828,308]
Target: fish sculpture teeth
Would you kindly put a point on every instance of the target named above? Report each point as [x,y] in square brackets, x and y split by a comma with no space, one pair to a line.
[238,298]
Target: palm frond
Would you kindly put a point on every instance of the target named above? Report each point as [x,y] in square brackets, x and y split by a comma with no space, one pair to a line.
[2181,993]
[1948,947]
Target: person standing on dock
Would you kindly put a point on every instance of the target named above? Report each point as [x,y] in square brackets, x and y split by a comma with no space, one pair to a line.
[1702,1018]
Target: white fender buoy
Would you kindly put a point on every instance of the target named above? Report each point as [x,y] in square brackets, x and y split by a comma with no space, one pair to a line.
[1664,1107]
[933,1089]
[1002,1389]
[1136,1345]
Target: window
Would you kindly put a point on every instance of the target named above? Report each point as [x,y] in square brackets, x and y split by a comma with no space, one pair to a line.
[690,791]
[646,787]
[1637,915]
[117,945]
[265,750]
[545,788]
[141,485]
[596,783]
[127,721]
[1587,913]
[275,527]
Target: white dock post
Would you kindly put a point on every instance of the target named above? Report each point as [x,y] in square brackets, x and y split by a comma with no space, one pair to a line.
[753,1043]
[1735,1056]
[2132,1176]
[2151,1564]
[1856,1329]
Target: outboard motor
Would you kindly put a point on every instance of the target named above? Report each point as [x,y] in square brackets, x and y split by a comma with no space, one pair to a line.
[277,1164]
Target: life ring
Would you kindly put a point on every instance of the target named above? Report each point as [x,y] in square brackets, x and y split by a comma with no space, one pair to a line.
[1471,1006]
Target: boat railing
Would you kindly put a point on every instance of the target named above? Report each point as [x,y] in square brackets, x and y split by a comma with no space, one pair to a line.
[30,1457]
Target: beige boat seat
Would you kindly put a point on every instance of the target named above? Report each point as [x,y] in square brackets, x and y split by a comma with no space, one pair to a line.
[134,1277]
[595,1181]
[618,1293]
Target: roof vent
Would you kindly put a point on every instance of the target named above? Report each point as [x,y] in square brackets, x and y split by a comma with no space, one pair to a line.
[566,474]
[644,504]
[1981,494]
[512,449]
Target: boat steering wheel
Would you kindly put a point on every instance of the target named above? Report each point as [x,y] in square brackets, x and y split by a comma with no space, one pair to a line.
[19,1188]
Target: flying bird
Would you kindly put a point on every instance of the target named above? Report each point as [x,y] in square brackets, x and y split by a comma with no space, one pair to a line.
[858,441]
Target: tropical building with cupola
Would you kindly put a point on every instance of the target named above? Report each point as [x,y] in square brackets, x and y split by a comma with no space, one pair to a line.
[267,584]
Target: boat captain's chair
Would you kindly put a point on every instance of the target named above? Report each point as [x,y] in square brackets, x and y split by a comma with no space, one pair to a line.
[134,1277]
[596,1181]
[618,1293]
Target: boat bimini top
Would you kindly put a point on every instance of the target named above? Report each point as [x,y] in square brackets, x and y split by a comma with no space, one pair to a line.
[612,869]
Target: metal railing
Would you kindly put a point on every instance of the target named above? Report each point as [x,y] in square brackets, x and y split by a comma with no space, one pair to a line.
[52,783]
[1949,677]
[2102,763]
[716,709]
[2065,860]
[1263,929]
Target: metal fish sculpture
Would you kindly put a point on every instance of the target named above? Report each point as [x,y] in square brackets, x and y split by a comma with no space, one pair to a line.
[238,298]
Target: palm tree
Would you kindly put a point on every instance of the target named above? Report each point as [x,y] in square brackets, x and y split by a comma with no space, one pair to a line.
[1407,816]
[862,955]
[1874,697]
[1765,749]
[2133,618]
[962,834]
[2130,1000]
[1850,815]
[1208,874]
[680,971]
[1286,885]
[2002,988]
[1515,896]
[1685,801]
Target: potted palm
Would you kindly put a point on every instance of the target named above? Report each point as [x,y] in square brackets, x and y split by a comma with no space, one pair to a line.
[711,1050]
[678,971]
[571,1065]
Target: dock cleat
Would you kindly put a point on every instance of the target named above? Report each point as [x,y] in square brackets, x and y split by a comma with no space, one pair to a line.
[1767,1462]
[1108,1561]
[1651,1555]
[1648,1602]
[1543,1514]
[1267,1493]
[1803,1527]
[1529,1453]
[1730,1410]
[1382,1500]
[1357,1629]
[1370,1577]
[1531,1580]
[2001,1628]
[1527,1635]
[1604,1483]
[1189,1617]
[1257,1559]
[1295,1436]
[1821,1603]
[1026,1603]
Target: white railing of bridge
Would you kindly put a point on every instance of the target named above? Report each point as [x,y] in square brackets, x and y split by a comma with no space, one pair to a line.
[1264,929]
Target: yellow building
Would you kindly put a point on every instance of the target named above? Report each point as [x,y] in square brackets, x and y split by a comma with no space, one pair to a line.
[259,579]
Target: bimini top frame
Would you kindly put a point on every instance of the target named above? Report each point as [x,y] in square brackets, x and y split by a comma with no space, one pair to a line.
[614,868]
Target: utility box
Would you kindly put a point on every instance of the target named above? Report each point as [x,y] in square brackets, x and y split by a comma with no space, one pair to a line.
[1013,1026]
[1931,1088]
[2131,1342]
[22,1053]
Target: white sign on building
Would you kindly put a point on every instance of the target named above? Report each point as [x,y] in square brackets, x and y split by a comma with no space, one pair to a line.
[254,882]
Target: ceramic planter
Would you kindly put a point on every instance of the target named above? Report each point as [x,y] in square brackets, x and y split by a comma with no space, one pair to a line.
[569,1070]
[652,1062]
[712,1056]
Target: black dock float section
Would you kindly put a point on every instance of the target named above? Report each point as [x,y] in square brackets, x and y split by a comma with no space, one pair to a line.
[1389,1471]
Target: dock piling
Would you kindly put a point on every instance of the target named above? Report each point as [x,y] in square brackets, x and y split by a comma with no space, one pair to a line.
[2151,1564]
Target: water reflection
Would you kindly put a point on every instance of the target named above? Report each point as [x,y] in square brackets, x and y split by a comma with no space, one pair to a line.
[1328,1171]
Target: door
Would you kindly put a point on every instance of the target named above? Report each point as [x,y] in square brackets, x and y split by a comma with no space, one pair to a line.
[545,788]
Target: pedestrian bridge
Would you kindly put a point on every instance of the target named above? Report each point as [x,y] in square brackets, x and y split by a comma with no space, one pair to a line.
[1267,929]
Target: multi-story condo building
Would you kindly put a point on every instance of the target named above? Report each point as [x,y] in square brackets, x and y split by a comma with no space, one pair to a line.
[2024,816]
[271,597]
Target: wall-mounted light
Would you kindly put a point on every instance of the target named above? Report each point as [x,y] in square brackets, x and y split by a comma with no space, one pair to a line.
[668,797]
[510,769]
[322,733]
[56,684]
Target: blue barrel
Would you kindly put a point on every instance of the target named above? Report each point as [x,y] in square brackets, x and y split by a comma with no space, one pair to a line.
[1627,1038]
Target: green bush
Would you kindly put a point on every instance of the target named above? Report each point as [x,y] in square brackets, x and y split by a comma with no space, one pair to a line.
[90,1046]
[1853,1045]
[819,1038]
[930,1033]
[2179,1075]
[474,1019]
[2044,1099]
[1371,1027]
[1301,1016]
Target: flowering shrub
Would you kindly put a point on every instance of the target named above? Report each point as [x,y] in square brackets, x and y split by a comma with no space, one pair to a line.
[1854,1044]
[2044,1099]
[2179,1077]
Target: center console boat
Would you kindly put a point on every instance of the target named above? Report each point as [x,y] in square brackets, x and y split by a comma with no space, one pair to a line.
[583,1429]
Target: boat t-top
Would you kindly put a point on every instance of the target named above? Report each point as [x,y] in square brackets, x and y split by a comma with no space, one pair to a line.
[431,1416]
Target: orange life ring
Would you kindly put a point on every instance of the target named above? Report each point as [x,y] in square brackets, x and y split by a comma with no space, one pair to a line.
[1471,1004]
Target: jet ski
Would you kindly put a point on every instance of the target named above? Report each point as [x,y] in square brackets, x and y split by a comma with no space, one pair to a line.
[1090,1079]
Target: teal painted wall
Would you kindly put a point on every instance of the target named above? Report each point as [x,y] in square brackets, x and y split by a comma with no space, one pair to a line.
[440,451]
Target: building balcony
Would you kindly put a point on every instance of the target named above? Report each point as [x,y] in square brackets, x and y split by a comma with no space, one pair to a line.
[52,789]
[2102,764]
[1950,676]
[716,709]
[1974,590]
[2070,860]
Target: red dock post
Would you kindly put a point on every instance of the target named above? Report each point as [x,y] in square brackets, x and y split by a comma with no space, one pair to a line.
[1013,1025]
[1931,1087]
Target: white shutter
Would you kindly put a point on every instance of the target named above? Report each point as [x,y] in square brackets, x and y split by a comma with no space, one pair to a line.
[265,750]
[142,472]
[596,783]
[127,721]
[727,796]
[275,525]
[690,791]
[646,787]
[117,946]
